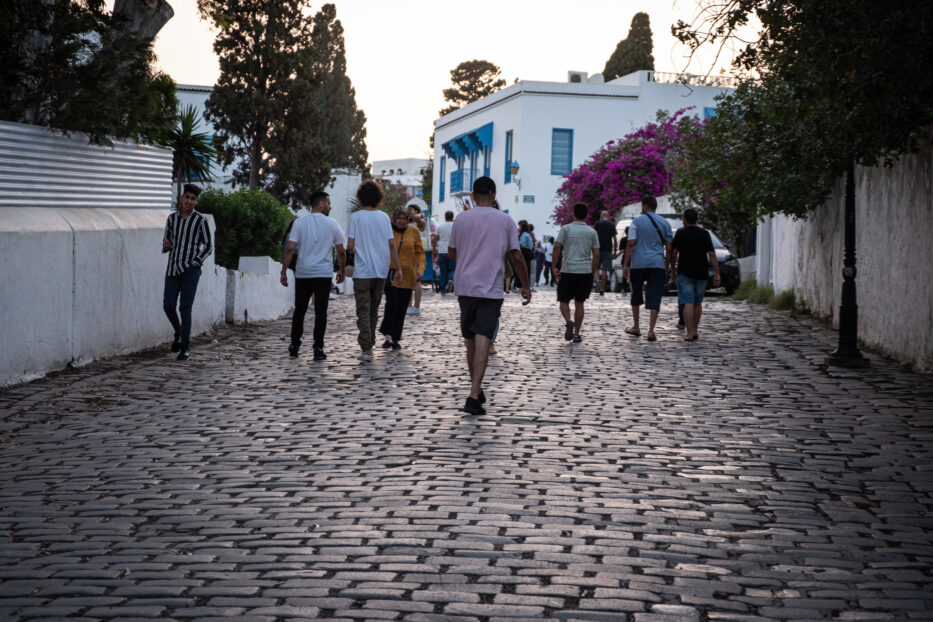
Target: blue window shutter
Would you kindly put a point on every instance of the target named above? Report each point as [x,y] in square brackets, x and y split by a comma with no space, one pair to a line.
[561,151]
[508,156]
[441,191]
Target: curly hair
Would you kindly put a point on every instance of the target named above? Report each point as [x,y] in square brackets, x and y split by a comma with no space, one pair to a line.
[370,194]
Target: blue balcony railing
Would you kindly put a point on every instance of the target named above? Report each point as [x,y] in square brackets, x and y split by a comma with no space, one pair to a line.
[456,181]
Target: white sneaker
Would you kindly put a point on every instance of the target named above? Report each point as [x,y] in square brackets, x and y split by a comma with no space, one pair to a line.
[366,357]
[410,311]
[332,296]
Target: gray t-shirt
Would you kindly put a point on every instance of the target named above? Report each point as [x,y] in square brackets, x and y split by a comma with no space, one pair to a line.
[578,241]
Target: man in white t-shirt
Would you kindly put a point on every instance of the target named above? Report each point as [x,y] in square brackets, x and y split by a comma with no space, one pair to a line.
[370,237]
[441,242]
[314,236]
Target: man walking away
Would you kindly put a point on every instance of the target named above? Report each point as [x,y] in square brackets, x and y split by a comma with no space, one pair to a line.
[692,254]
[579,244]
[608,238]
[478,241]
[647,255]
[441,256]
[369,236]
[187,240]
[313,238]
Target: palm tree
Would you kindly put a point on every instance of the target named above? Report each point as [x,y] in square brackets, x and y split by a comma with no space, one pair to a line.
[192,151]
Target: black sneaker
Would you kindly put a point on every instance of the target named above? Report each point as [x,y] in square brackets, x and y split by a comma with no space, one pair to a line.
[395,345]
[473,407]
[482,398]
[184,355]
[386,344]
[176,343]
[602,293]
[568,331]
[293,350]
[319,354]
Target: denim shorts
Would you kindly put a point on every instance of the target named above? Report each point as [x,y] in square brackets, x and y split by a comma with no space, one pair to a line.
[690,291]
[647,287]
[605,261]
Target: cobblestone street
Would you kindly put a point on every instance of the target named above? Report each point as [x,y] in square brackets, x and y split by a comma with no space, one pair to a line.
[734,478]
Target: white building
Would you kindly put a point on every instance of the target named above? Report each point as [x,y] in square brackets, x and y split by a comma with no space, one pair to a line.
[543,130]
[405,171]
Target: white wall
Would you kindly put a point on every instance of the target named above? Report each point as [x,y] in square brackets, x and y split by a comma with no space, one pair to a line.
[894,213]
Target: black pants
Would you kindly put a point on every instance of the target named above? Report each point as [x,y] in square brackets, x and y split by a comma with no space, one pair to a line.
[393,319]
[303,289]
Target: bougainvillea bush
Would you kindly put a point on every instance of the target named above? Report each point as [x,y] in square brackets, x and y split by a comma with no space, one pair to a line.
[625,171]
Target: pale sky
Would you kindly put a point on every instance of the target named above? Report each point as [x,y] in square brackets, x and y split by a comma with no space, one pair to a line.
[399,54]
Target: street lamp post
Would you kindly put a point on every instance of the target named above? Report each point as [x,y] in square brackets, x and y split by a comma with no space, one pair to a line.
[847,353]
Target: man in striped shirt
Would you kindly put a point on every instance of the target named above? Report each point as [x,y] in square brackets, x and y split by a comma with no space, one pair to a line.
[187,240]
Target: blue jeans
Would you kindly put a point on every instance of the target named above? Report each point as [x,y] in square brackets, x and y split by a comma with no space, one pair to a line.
[689,290]
[185,286]
[447,266]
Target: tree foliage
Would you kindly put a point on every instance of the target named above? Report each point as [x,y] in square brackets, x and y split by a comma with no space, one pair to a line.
[624,171]
[634,53]
[72,65]
[427,180]
[284,106]
[835,83]
[192,151]
[250,223]
[472,80]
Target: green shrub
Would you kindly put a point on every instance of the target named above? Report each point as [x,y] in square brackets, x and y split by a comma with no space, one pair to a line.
[744,289]
[250,223]
[761,295]
[783,301]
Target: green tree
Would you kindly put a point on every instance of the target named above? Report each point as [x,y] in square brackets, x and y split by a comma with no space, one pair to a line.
[427,179]
[72,65]
[263,105]
[634,53]
[192,151]
[344,130]
[472,80]
[250,223]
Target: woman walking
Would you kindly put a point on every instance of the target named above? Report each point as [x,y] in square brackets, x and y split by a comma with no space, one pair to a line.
[412,260]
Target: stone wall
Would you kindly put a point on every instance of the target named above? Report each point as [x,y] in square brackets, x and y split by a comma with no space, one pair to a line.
[894,215]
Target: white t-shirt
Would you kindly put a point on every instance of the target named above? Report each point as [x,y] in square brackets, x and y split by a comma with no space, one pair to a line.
[315,236]
[548,252]
[370,231]
[443,236]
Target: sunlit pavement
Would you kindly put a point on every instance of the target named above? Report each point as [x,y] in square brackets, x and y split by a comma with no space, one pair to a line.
[734,478]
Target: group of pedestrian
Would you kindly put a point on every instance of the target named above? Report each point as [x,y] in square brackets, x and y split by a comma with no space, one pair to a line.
[390,258]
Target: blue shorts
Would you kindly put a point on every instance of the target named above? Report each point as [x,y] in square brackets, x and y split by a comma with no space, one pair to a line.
[605,261]
[690,291]
[647,287]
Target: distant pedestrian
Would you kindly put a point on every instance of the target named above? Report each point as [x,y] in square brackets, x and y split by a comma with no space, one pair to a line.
[369,237]
[478,242]
[187,240]
[442,257]
[313,239]
[527,244]
[647,259]
[692,254]
[538,261]
[606,230]
[578,246]
[548,257]
[623,243]
[407,241]
[423,225]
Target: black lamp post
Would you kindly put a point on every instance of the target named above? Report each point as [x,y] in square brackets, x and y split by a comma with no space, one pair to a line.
[847,353]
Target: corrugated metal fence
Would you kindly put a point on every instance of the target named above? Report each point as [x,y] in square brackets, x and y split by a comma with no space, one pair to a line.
[44,168]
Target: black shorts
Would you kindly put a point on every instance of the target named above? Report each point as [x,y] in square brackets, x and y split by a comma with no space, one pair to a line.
[479,316]
[576,286]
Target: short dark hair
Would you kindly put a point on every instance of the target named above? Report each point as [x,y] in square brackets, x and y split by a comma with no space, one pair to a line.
[195,190]
[691,216]
[414,207]
[580,210]
[370,194]
[650,202]
[484,186]
[317,197]
[448,215]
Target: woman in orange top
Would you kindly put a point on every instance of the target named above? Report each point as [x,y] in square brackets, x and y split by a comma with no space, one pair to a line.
[412,259]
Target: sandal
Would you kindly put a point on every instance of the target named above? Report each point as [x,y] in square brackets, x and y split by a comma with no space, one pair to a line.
[633,331]
[652,337]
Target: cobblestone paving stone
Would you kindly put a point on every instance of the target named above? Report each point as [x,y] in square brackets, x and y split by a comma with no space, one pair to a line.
[732,479]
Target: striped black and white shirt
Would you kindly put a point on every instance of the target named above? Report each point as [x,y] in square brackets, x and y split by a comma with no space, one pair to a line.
[191,242]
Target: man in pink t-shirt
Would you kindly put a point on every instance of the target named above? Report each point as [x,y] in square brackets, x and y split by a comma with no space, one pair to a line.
[479,239]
